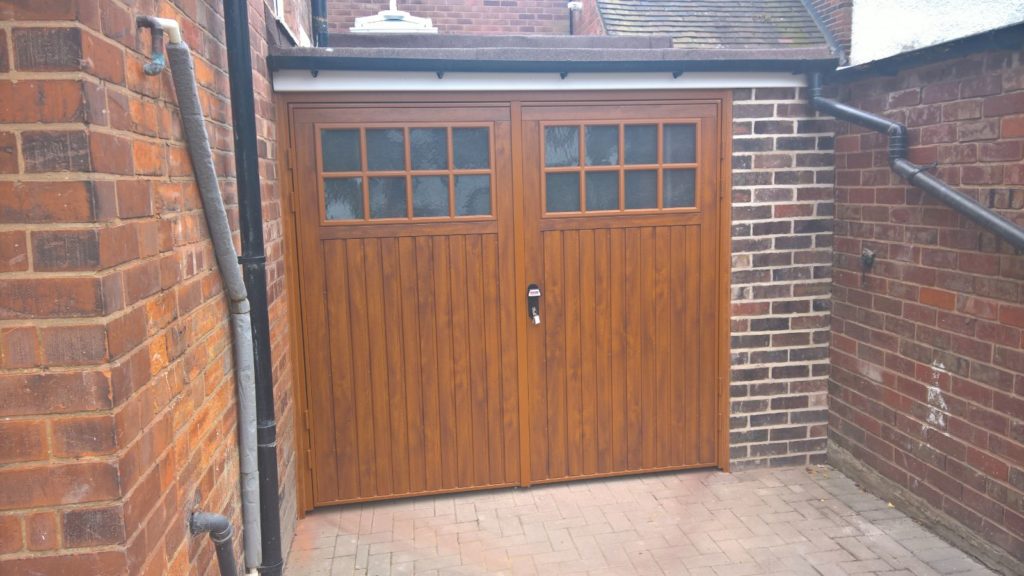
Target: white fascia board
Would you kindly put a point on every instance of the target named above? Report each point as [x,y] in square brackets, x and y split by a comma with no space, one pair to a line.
[381,81]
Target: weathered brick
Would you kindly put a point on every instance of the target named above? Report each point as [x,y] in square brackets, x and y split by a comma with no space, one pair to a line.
[31,101]
[74,345]
[23,441]
[85,527]
[53,393]
[47,49]
[57,484]
[56,151]
[65,250]
[8,153]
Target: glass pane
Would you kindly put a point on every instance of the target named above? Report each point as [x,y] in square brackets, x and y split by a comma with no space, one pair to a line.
[562,146]
[602,145]
[385,150]
[563,192]
[341,150]
[680,143]
[387,197]
[641,144]
[473,195]
[602,190]
[641,189]
[430,196]
[680,188]
[343,198]
[472,148]
[428,148]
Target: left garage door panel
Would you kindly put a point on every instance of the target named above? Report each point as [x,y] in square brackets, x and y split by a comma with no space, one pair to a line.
[409,318]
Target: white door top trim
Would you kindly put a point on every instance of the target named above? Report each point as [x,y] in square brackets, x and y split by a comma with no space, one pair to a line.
[380,81]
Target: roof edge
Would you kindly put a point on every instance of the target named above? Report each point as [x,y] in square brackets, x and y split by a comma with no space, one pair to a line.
[1006,38]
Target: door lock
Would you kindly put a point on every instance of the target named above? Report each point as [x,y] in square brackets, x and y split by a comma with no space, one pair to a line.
[533,302]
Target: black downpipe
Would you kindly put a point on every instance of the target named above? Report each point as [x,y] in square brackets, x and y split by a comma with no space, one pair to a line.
[254,272]
[913,173]
[220,531]
[319,10]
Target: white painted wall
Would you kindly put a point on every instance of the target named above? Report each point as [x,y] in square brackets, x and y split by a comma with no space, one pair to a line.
[883,28]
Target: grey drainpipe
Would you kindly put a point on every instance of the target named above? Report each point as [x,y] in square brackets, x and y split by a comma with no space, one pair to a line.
[913,173]
[180,59]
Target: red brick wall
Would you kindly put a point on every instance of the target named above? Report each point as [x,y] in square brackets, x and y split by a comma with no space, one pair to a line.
[588,20]
[927,381]
[549,17]
[781,267]
[837,16]
[118,403]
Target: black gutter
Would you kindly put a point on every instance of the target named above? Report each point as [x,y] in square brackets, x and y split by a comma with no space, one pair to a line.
[319,13]
[254,272]
[913,173]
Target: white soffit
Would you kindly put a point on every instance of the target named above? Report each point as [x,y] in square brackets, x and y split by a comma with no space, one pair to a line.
[371,81]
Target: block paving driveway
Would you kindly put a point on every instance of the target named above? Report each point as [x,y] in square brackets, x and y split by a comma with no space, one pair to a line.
[790,521]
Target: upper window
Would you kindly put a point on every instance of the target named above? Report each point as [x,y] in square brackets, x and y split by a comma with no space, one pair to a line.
[609,167]
[406,173]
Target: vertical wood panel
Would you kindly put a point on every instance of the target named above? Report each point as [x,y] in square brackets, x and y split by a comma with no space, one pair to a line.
[634,295]
[495,449]
[414,363]
[395,354]
[680,331]
[620,396]
[649,386]
[554,328]
[604,375]
[432,358]
[692,351]
[362,380]
[445,366]
[477,358]
[707,383]
[335,437]
[573,385]
[463,414]
[378,365]
[589,357]
[662,345]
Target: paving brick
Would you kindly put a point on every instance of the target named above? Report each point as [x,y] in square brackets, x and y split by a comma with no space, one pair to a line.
[780,521]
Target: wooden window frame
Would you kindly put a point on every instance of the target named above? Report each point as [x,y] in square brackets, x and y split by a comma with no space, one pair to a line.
[621,168]
[408,173]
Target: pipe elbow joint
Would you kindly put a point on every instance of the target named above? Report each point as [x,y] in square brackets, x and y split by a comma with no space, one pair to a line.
[217,525]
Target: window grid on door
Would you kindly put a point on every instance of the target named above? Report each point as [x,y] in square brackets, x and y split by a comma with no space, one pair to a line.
[375,174]
[577,180]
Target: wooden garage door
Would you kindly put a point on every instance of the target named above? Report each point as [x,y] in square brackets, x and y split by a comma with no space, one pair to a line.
[406,273]
[621,235]
[420,228]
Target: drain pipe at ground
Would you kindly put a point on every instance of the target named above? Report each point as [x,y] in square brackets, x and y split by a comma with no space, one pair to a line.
[179,59]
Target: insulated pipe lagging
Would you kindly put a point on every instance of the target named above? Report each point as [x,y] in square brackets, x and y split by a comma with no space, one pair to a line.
[913,173]
[221,533]
[180,60]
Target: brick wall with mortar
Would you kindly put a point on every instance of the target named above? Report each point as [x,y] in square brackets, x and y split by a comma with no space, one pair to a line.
[927,382]
[542,17]
[837,16]
[782,198]
[118,403]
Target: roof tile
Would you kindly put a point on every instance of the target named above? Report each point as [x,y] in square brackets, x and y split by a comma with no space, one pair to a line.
[759,24]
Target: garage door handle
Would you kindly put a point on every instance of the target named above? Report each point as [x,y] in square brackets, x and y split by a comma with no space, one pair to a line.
[533,302]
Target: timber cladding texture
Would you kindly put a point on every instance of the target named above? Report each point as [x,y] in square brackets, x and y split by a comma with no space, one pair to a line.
[782,209]
[117,402]
[927,383]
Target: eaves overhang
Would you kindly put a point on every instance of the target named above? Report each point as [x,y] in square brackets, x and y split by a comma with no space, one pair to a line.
[560,54]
